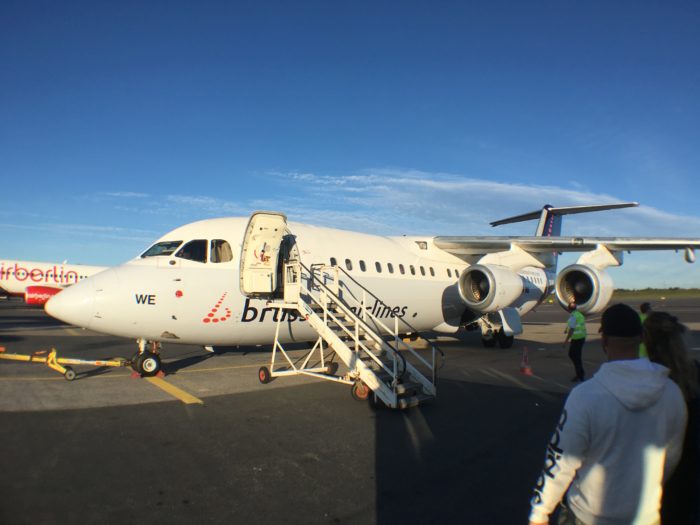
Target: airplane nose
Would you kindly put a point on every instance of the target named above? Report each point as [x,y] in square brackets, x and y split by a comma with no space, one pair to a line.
[75,305]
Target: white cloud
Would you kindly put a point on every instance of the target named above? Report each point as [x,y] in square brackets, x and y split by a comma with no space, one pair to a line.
[87,230]
[465,205]
[393,201]
[202,205]
[126,194]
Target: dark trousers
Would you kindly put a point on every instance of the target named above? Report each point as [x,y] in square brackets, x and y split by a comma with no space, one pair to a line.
[575,351]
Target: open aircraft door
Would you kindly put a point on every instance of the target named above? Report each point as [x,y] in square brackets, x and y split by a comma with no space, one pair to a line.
[260,253]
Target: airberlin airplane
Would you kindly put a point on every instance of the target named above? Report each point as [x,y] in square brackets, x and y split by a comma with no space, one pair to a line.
[210,282]
[39,281]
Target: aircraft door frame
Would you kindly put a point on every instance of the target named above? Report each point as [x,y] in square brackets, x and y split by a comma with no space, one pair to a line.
[262,252]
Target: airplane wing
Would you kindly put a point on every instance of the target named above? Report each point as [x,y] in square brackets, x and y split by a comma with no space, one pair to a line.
[469,247]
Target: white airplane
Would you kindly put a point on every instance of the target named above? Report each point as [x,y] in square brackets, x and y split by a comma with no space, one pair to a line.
[37,282]
[226,282]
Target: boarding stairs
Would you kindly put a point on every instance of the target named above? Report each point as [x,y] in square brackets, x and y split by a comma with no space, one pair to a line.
[381,365]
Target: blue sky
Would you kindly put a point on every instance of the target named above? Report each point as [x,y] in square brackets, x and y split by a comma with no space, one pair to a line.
[122,120]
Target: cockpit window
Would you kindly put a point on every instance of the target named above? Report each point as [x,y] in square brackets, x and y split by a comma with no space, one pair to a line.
[194,251]
[161,248]
[220,251]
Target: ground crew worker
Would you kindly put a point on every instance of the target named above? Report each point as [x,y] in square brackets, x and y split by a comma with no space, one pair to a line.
[644,310]
[576,332]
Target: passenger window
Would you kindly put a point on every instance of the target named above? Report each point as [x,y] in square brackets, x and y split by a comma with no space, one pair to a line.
[422,270]
[432,272]
[401,269]
[362,266]
[334,261]
[449,273]
[390,267]
[378,266]
[348,264]
[194,251]
[220,251]
[413,270]
[161,248]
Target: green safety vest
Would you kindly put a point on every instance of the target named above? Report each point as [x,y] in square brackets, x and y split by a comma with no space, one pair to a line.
[642,348]
[580,330]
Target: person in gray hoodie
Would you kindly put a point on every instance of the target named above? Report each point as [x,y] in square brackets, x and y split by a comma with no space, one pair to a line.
[618,439]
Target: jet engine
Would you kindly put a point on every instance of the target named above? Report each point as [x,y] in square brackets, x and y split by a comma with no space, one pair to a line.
[39,295]
[589,287]
[489,288]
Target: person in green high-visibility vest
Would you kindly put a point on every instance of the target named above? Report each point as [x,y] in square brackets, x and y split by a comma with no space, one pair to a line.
[644,311]
[576,333]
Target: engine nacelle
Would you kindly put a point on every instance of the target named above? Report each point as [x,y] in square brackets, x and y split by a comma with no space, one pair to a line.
[39,295]
[489,288]
[589,287]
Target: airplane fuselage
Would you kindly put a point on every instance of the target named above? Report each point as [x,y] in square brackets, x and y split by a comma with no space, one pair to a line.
[170,298]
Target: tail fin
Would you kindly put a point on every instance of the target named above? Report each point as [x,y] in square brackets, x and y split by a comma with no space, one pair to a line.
[550,218]
[549,224]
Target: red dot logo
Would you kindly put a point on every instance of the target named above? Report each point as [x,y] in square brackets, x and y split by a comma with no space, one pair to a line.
[212,315]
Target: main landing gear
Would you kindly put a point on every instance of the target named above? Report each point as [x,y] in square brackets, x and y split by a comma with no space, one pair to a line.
[147,360]
[503,340]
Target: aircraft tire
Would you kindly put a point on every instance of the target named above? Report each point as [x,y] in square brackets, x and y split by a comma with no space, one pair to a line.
[360,391]
[505,341]
[264,375]
[148,364]
[488,343]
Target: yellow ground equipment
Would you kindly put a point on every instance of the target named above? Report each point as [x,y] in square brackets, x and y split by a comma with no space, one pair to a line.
[56,363]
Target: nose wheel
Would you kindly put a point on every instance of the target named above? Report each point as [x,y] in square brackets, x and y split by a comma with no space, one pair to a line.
[146,362]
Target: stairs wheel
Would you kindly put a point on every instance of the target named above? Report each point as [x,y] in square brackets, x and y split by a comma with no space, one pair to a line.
[264,375]
[332,368]
[360,391]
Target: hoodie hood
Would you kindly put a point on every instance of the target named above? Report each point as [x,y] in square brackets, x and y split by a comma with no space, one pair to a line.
[636,383]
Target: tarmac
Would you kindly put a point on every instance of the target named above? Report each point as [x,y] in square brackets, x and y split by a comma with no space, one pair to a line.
[209,443]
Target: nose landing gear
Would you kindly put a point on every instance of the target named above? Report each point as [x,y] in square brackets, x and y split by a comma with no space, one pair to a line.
[147,360]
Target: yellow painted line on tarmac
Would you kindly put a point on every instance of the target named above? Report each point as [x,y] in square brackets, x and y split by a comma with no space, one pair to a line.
[174,391]
[73,331]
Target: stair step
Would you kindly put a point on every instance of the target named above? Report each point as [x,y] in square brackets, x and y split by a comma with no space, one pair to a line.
[383,376]
[334,310]
[407,402]
[408,388]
